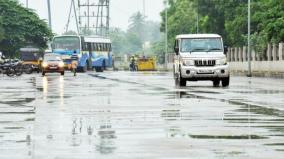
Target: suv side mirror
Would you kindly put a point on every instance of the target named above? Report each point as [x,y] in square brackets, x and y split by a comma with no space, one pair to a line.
[176,50]
[225,50]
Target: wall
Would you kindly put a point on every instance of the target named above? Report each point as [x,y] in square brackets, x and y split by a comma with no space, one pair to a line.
[271,62]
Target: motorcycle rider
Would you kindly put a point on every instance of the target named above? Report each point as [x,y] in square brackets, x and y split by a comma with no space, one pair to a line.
[132,63]
[74,62]
[1,58]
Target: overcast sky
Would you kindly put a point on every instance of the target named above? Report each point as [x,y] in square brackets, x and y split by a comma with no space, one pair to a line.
[120,11]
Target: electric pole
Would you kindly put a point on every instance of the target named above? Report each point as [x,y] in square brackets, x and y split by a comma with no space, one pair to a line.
[27,3]
[94,16]
[197,18]
[144,8]
[72,6]
[249,40]
[166,32]
[49,14]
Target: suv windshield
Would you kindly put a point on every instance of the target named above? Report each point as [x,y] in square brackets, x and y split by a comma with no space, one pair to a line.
[202,44]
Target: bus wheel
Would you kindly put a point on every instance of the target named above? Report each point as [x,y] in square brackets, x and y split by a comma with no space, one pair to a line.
[85,68]
[104,65]
[99,69]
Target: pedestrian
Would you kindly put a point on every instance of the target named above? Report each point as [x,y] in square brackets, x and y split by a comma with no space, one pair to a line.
[74,62]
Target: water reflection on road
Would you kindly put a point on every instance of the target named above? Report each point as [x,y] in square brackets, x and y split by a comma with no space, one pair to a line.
[141,115]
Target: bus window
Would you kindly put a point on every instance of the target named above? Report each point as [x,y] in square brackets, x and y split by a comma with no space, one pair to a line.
[110,47]
[93,46]
[101,47]
[105,47]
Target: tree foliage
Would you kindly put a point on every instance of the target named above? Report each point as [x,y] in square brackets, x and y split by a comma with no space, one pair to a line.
[20,27]
[139,31]
[227,18]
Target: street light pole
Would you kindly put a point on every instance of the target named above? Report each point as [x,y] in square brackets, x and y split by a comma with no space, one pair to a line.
[197,18]
[49,14]
[166,32]
[249,40]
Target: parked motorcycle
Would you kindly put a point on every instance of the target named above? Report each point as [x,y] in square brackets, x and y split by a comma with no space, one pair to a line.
[6,68]
[11,68]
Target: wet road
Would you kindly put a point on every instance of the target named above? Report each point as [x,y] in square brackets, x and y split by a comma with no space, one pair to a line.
[124,115]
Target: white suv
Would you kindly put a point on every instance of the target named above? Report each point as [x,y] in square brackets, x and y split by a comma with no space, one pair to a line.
[201,57]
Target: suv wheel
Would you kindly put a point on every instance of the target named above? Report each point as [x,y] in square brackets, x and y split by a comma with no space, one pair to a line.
[226,82]
[216,83]
[180,81]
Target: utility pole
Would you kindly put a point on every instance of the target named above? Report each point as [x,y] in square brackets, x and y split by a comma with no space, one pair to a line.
[249,40]
[88,12]
[94,16]
[144,8]
[166,32]
[197,18]
[49,14]
[27,3]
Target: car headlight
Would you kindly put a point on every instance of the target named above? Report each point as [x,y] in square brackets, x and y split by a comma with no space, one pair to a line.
[61,64]
[44,64]
[222,61]
[187,62]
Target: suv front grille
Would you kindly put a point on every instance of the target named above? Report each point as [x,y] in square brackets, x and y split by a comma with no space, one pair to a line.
[201,63]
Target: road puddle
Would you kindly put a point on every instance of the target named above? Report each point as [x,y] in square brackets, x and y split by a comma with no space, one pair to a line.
[228,137]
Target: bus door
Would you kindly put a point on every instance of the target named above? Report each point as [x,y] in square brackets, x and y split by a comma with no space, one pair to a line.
[90,50]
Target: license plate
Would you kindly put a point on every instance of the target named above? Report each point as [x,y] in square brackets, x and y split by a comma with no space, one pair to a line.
[65,57]
[53,68]
[205,71]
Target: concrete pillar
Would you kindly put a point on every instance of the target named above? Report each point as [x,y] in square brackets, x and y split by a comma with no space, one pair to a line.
[268,53]
[240,54]
[229,54]
[236,54]
[253,55]
[257,57]
[245,53]
[274,53]
[280,52]
[232,54]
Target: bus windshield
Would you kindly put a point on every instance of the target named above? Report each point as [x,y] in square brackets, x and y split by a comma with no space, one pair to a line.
[202,44]
[66,43]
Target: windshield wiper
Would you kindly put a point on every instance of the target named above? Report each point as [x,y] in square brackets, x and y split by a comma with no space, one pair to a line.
[215,49]
[195,50]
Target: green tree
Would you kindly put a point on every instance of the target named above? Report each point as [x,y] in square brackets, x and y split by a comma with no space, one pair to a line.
[21,27]
[229,19]
[137,25]
[181,19]
[119,41]
[1,29]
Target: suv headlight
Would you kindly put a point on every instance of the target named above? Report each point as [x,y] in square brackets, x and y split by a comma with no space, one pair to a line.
[222,61]
[186,62]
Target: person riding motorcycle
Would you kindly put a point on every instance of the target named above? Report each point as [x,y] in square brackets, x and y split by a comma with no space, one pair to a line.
[74,62]
[132,64]
[1,58]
